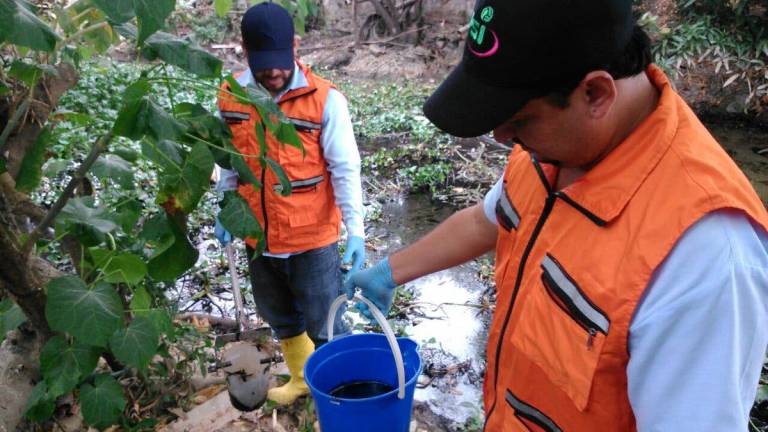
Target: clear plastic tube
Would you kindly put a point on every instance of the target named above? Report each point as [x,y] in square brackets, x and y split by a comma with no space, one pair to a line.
[388,333]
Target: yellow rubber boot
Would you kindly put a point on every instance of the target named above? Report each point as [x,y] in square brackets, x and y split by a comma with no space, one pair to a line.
[296,351]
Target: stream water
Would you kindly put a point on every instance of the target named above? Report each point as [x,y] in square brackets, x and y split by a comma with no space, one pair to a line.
[449,325]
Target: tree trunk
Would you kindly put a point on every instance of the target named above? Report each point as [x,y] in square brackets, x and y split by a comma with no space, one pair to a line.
[24,276]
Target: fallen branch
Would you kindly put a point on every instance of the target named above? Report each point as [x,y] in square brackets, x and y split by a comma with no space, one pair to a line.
[226,323]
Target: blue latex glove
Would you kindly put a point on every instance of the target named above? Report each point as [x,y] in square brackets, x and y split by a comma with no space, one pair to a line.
[375,284]
[221,233]
[354,253]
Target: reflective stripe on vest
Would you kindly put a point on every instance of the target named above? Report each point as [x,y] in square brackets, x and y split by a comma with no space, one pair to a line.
[574,266]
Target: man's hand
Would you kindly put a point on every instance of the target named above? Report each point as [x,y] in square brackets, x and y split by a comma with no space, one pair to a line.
[375,284]
[221,233]
[355,253]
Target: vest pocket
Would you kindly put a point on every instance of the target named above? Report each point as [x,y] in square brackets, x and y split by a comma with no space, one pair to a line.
[533,419]
[302,210]
[562,331]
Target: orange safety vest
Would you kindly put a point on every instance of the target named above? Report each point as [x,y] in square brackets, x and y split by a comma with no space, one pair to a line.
[308,218]
[573,264]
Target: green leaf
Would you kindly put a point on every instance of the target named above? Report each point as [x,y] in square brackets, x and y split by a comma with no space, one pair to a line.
[238,218]
[64,365]
[136,345]
[189,110]
[29,73]
[41,404]
[244,171]
[129,155]
[205,127]
[285,183]
[80,119]
[125,268]
[136,91]
[80,211]
[31,170]
[222,7]
[163,322]
[20,26]
[127,213]
[143,117]
[182,53]
[118,11]
[158,234]
[11,316]
[141,302]
[165,153]
[91,315]
[237,90]
[126,30]
[174,254]
[102,403]
[185,189]
[54,167]
[113,167]
[100,256]
[131,120]
[151,15]
[286,133]
[4,89]
[261,137]
[269,111]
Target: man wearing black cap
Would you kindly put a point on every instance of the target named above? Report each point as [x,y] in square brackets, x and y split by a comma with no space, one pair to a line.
[631,252]
[298,276]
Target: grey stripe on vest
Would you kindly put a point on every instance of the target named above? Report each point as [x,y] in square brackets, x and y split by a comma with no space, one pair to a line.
[568,288]
[529,412]
[507,210]
[300,183]
[304,124]
[235,115]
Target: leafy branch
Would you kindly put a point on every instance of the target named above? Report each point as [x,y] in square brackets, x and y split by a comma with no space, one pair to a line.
[98,147]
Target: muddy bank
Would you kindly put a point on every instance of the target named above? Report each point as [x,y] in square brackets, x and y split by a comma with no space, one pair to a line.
[748,146]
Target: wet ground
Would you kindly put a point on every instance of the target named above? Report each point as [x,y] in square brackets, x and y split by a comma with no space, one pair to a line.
[748,146]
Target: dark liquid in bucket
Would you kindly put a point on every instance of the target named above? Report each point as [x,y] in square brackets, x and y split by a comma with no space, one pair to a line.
[361,390]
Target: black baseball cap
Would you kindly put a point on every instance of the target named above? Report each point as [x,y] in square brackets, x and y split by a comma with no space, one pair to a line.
[267,31]
[518,50]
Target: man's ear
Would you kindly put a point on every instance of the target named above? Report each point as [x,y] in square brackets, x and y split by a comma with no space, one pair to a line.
[296,41]
[598,91]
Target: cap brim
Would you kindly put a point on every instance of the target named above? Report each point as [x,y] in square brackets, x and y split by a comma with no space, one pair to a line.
[272,59]
[465,107]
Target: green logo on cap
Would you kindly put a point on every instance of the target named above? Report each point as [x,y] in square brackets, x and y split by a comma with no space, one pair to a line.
[486,14]
[477,29]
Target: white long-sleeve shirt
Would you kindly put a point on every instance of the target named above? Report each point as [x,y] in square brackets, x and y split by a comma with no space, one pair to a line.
[698,339]
[339,150]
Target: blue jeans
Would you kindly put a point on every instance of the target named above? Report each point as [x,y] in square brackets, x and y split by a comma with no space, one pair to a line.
[294,294]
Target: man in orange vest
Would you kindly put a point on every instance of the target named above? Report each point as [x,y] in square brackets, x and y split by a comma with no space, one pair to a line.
[298,276]
[631,252]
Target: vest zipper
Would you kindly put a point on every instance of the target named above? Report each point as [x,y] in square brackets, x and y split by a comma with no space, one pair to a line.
[264,209]
[548,205]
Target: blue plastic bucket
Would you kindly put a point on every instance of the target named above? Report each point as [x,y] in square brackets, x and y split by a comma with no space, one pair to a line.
[363,358]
